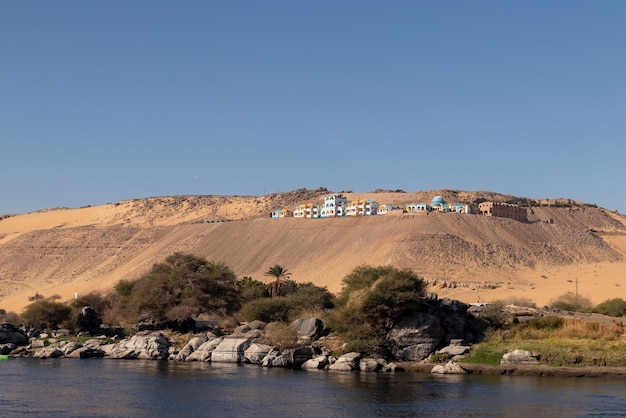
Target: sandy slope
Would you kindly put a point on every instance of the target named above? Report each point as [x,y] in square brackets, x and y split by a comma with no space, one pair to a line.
[478,258]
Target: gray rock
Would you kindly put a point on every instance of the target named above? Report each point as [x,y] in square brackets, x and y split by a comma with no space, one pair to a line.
[256,353]
[38,344]
[520,357]
[291,358]
[316,363]
[48,352]
[455,350]
[191,346]
[231,349]
[9,333]
[203,353]
[147,345]
[370,365]
[449,368]
[256,324]
[347,362]
[308,329]
[69,346]
[416,337]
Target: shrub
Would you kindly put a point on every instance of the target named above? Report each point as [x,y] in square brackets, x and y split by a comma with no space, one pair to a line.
[181,287]
[47,314]
[297,299]
[571,302]
[10,317]
[124,287]
[268,309]
[251,289]
[612,307]
[310,297]
[281,335]
[371,300]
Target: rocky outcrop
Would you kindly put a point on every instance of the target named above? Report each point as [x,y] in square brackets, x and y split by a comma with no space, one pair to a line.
[308,329]
[437,326]
[416,337]
[520,357]
[10,334]
[88,321]
[347,363]
[147,345]
[231,349]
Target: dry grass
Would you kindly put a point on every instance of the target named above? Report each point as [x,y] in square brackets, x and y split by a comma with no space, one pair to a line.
[559,342]
[281,335]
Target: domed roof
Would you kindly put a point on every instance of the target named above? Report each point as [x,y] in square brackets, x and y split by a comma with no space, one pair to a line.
[437,201]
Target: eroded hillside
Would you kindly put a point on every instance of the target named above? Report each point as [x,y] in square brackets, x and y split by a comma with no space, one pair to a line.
[465,256]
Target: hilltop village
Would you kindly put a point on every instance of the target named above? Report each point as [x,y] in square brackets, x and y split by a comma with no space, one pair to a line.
[336,206]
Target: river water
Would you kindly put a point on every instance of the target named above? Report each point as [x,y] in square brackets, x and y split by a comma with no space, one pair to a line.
[136,388]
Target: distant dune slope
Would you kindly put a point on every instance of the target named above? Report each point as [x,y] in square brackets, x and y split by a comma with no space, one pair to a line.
[79,250]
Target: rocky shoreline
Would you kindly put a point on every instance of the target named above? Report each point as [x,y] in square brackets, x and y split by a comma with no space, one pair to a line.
[441,331]
[245,346]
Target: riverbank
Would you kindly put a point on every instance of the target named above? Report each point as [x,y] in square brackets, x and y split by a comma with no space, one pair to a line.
[523,369]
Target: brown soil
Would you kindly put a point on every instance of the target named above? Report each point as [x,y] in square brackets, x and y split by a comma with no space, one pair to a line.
[466,257]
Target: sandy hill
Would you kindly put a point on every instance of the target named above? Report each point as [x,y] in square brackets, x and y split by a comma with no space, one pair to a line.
[468,257]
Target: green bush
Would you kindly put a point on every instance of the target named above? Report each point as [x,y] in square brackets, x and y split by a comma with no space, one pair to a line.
[251,289]
[612,307]
[183,286]
[372,299]
[296,299]
[571,302]
[308,296]
[277,309]
[44,314]
[124,287]
[546,323]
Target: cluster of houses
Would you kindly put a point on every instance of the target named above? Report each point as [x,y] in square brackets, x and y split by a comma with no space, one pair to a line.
[336,206]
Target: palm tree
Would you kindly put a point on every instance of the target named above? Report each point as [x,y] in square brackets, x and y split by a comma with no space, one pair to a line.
[279,274]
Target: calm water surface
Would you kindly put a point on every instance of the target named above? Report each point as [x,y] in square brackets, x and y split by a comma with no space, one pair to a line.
[116,388]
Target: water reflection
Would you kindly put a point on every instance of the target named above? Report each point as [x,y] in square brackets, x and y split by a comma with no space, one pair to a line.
[153,388]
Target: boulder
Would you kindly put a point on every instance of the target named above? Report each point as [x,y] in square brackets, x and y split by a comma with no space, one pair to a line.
[308,329]
[38,344]
[231,349]
[48,352]
[369,365]
[520,357]
[9,333]
[69,347]
[416,337]
[256,353]
[88,320]
[449,368]
[143,345]
[7,348]
[86,352]
[290,358]
[347,362]
[191,346]
[256,324]
[455,350]
[316,363]
[203,353]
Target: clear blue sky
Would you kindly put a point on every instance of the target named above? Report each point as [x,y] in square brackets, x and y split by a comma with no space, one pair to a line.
[102,101]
